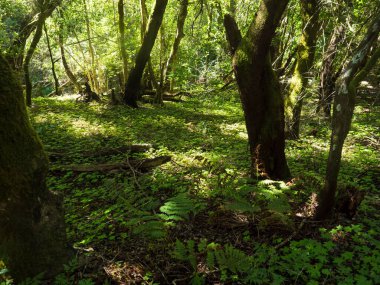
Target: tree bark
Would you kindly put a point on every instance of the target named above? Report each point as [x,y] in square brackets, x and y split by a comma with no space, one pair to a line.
[56,82]
[259,90]
[305,59]
[328,77]
[123,50]
[132,88]
[344,103]
[32,227]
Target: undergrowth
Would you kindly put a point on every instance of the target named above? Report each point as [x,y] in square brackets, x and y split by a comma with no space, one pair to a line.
[199,219]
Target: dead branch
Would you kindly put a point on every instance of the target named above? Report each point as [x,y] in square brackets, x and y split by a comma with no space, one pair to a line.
[138,164]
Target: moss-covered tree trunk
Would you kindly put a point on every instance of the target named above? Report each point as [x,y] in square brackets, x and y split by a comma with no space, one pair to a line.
[259,90]
[32,228]
[132,88]
[344,104]
[305,59]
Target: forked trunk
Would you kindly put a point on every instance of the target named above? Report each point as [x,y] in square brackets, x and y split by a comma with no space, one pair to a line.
[132,88]
[259,90]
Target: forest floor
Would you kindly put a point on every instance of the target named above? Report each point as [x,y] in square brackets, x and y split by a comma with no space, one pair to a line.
[198,219]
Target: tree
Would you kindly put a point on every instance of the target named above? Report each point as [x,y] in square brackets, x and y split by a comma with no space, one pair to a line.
[305,59]
[344,103]
[259,89]
[45,9]
[177,40]
[32,227]
[132,88]
[123,50]
[56,82]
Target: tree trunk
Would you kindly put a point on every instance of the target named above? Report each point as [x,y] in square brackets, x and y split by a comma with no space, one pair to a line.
[344,104]
[123,50]
[93,80]
[328,77]
[56,83]
[45,12]
[179,35]
[150,78]
[32,228]
[132,88]
[305,59]
[260,91]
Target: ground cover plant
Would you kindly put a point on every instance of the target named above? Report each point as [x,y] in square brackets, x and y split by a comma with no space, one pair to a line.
[189,142]
[198,219]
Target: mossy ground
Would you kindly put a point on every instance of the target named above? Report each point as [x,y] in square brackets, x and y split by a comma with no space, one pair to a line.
[131,227]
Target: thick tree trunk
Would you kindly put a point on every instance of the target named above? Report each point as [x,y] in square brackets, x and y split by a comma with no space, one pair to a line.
[56,82]
[305,59]
[123,50]
[132,88]
[328,77]
[32,228]
[344,104]
[259,90]
[179,35]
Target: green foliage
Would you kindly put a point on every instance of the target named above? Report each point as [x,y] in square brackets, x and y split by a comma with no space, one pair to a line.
[180,207]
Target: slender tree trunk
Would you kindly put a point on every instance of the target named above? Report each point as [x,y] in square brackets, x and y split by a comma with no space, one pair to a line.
[56,82]
[305,59]
[45,12]
[94,82]
[32,227]
[28,58]
[132,88]
[328,77]
[123,50]
[344,104]
[259,90]
[177,40]
[66,66]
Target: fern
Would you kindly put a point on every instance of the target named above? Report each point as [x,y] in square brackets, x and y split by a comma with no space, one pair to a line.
[180,207]
[232,259]
[186,252]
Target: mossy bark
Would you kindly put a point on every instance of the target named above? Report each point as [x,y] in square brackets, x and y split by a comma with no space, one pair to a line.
[132,88]
[344,103]
[305,59]
[32,228]
[259,90]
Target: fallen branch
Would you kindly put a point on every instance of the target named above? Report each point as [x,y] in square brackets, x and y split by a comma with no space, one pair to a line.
[141,165]
[104,152]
